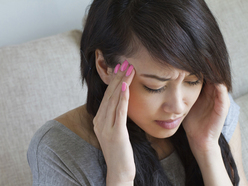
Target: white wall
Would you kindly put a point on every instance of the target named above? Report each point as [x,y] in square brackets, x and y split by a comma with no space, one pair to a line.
[25,20]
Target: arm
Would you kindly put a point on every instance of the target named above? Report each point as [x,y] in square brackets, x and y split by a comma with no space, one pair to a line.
[235,145]
[212,167]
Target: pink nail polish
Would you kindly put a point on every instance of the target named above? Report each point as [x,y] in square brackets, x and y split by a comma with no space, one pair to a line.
[129,70]
[117,68]
[124,65]
[124,86]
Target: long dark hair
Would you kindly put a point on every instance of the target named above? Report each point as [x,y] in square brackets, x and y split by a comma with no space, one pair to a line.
[182,33]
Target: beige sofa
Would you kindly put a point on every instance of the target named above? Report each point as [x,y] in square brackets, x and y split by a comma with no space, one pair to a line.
[40,80]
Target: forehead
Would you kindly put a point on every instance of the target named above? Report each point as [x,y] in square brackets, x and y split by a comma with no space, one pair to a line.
[144,63]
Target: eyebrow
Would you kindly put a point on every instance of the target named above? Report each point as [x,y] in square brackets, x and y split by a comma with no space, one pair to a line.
[159,78]
[155,77]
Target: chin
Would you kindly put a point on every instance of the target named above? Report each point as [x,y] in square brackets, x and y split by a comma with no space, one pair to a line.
[163,134]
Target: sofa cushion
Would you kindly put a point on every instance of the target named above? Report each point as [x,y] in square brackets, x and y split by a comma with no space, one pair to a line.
[232,17]
[39,80]
[243,119]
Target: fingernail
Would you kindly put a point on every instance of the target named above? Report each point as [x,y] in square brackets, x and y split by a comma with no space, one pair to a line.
[124,86]
[117,68]
[124,65]
[129,70]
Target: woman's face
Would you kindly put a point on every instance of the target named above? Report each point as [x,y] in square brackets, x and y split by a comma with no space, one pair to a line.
[160,96]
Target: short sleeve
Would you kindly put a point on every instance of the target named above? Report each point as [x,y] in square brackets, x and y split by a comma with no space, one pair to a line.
[48,169]
[57,157]
[231,120]
[52,171]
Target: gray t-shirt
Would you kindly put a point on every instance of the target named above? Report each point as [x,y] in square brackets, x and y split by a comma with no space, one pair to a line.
[57,156]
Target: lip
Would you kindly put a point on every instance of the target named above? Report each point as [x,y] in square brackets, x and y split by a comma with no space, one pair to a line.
[169,124]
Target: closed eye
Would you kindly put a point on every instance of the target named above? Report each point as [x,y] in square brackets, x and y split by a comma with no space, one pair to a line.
[192,83]
[154,90]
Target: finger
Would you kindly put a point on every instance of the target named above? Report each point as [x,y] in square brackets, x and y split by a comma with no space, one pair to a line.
[101,113]
[125,73]
[222,98]
[107,109]
[117,95]
[117,76]
[122,107]
[221,91]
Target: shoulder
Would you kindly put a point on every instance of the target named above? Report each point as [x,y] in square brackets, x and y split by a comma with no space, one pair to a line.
[57,154]
[47,135]
[81,123]
[55,140]
[53,134]
[68,131]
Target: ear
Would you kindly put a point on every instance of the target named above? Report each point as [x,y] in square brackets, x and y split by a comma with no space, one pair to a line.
[103,70]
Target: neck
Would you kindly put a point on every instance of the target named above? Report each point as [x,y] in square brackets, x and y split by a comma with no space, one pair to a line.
[163,147]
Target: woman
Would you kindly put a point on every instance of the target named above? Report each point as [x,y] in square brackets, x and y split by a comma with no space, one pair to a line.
[157,110]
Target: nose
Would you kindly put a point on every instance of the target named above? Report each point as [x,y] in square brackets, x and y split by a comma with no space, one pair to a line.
[174,101]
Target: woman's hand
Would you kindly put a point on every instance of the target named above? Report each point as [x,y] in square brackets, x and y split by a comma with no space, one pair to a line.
[203,126]
[204,122]
[111,131]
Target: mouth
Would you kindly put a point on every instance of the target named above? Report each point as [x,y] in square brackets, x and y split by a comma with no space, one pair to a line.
[169,124]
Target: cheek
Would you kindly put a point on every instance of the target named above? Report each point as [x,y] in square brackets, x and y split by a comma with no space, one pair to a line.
[137,99]
[143,106]
[140,102]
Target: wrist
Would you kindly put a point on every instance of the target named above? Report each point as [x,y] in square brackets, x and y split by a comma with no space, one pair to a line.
[212,167]
[207,154]
[204,148]
[120,183]
[117,182]
[119,179]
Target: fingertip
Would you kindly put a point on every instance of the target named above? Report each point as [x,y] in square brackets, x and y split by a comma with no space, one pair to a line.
[124,86]
[125,91]
[124,65]
[116,68]
[129,71]
[221,88]
[130,75]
